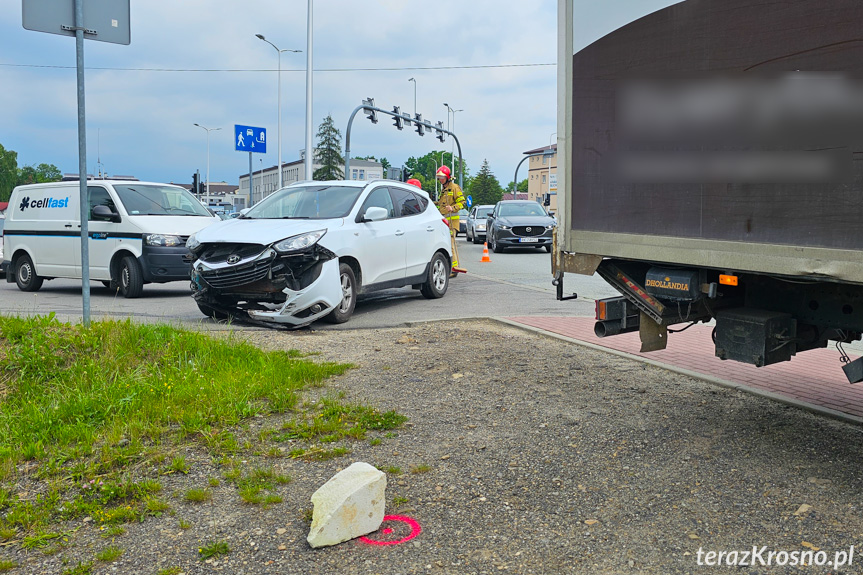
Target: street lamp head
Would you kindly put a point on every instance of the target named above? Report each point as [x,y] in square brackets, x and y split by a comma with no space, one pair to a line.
[197,124]
[411,80]
[445,104]
[261,36]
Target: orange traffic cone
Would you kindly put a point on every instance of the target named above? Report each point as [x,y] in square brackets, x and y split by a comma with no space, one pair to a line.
[485,257]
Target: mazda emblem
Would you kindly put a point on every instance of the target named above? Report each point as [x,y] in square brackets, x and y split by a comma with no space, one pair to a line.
[527,229]
[233,258]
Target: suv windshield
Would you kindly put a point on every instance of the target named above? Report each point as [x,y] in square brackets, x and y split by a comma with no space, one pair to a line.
[521,210]
[307,202]
[144,200]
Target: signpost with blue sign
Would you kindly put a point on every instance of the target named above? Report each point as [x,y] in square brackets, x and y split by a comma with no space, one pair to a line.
[250,139]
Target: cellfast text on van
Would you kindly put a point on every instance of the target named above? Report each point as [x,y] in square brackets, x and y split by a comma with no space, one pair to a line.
[137,233]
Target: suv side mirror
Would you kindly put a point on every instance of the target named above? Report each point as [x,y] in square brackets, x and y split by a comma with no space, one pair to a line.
[375,214]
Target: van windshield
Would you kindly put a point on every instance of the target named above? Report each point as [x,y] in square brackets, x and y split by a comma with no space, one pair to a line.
[154,200]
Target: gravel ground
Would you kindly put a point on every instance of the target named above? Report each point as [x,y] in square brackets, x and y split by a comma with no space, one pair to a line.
[543,457]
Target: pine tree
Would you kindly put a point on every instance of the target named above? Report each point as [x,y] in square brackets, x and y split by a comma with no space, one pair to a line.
[329,152]
[484,187]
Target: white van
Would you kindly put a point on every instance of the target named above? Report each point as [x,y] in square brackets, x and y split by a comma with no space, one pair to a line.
[137,233]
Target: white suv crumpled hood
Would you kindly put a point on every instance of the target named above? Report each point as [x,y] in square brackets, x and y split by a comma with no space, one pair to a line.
[265,232]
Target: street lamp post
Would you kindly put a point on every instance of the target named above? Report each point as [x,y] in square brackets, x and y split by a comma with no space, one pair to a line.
[307,165]
[208,153]
[279,52]
[448,112]
[415,95]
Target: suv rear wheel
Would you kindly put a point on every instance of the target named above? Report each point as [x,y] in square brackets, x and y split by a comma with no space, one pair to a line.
[438,278]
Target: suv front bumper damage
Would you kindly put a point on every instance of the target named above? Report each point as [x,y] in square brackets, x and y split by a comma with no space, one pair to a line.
[293,289]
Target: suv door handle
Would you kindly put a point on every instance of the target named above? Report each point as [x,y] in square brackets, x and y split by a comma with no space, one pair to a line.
[429,229]
[400,232]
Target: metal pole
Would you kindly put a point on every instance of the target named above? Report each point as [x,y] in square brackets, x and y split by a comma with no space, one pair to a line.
[415,96]
[82,163]
[251,181]
[453,129]
[309,147]
[515,177]
[548,189]
[279,123]
[208,165]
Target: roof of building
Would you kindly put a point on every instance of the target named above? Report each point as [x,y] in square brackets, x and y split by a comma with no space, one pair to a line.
[542,149]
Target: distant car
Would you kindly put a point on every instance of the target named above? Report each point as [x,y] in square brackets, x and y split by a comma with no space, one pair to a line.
[476,220]
[306,251]
[462,224]
[519,223]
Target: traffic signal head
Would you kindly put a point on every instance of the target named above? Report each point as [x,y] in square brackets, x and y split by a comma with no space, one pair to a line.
[418,120]
[195,183]
[399,120]
[370,113]
[440,133]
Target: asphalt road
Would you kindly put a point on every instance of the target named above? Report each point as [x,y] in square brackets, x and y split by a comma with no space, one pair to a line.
[516,282]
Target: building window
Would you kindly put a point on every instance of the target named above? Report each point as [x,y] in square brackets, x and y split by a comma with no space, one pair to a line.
[362,174]
[543,178]
[353,174]
[544,160]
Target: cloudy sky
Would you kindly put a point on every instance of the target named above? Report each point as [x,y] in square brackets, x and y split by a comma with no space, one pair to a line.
[198,61]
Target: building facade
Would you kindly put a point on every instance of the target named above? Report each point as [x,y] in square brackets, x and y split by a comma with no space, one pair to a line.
[542,176]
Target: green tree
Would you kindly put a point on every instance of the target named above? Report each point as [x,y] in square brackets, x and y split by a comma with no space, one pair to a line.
[329,152]
[484,187]
[522,186]
[39,174]
[424,167]
[8,172]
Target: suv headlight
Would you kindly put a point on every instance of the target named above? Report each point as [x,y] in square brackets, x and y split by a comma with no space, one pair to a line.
[296,243]
[192,242]
[163,240]
[505,227]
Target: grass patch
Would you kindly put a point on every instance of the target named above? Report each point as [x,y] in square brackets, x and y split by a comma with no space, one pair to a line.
[397,501]
[108,554]
[112,531]
[171,571]
[184,524]
[253,486]
[7,565]
[213,549]
[421,468]
[336,419]
[198,495]
[79,569]
[85,406]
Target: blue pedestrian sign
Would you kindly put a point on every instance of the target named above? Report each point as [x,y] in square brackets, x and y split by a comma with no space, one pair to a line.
[250,139]
[469,201]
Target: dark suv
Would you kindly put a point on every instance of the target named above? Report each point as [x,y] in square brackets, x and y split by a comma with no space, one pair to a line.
[519,223]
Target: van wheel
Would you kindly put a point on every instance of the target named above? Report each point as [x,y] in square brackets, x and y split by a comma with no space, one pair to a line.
[438,278]
[25,274]
[343,312]
[131,278]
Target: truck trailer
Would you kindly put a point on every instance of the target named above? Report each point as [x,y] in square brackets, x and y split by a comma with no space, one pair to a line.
[711,170]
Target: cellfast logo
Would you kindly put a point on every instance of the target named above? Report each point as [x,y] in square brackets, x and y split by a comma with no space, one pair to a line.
[44,203]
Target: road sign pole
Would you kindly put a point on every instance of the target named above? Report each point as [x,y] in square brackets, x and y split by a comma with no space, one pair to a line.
[82,163]
[250,179]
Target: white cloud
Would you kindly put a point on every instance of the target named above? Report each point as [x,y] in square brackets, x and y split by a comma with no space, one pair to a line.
[144,118]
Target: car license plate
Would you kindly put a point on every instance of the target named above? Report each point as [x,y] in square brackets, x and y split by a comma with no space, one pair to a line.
[529,240]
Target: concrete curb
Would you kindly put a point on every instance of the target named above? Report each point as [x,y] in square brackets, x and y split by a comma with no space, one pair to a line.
[818,409]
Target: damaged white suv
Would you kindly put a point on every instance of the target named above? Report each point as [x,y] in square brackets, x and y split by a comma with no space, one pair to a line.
[306,251]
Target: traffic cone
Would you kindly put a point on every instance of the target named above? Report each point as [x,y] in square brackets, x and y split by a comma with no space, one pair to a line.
[485,257]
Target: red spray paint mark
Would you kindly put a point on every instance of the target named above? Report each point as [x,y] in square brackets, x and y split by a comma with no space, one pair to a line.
[415,530]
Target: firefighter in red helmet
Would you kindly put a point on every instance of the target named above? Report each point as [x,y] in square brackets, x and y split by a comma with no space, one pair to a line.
[415,182]
[450,202]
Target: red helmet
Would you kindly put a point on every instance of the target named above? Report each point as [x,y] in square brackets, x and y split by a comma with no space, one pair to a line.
[415,182]
[443,171]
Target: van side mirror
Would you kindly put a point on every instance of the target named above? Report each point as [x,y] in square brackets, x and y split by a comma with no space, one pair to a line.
[106,212]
